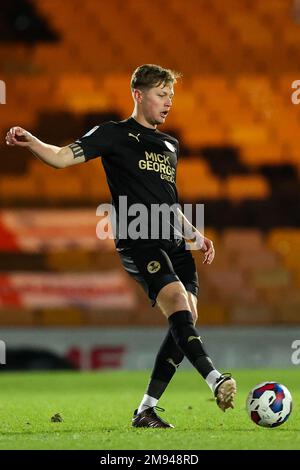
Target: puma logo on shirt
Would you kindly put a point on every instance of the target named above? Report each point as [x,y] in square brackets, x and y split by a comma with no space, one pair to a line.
[134,136]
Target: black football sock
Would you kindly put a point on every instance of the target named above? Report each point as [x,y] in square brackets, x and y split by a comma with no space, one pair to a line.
[188,340]
[167,361]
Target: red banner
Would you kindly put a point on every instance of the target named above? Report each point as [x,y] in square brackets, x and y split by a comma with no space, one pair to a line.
[107,290]
[38,231]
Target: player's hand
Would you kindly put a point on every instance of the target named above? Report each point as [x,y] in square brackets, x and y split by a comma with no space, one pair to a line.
[198,242]
[207,247]
[208,250]
[19,137]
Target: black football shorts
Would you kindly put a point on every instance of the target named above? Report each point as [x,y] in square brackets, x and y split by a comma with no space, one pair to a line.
[156,263]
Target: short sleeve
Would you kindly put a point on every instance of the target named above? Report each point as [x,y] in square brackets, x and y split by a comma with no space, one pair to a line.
[97,142]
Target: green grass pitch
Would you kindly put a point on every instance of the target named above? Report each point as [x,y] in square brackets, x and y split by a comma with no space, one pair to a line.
[97,407]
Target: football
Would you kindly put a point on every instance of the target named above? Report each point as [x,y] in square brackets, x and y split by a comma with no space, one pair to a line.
[269,404]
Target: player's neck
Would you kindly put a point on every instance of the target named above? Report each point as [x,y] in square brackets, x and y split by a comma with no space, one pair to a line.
[140,118]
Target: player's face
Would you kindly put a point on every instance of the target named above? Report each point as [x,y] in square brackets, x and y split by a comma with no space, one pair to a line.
[156,103]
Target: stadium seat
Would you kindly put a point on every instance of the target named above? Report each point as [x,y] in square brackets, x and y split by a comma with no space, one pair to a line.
[195,182]
[16,318]
[246,187]
[18,188]
[235,93]
[212,314]
[243,240]
[58,317]
[254,155]
[74,260]
[257,314]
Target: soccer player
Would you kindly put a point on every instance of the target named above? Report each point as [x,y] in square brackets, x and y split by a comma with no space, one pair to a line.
[140,163]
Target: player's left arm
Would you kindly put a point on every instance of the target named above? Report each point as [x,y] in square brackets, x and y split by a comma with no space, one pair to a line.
[197,239]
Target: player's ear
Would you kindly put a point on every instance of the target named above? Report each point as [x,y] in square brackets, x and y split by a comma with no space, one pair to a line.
[137,95]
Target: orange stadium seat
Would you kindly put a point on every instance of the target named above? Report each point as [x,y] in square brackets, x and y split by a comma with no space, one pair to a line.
[259,154]
[248,109]
[271,278]
[288,307]
[242,240]
[242,135]
[235,92]
[253,314]
[18,188]
[74,260]
[246,187]
[62,187]
[195,180]
[13,317]
[250,260]
[213,314]
[58,317]
[284,240]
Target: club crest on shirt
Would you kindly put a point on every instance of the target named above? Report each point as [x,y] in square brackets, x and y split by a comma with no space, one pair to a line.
[170,146]
[153,267]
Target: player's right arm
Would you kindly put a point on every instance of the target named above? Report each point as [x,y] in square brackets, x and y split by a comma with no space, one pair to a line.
[57,157]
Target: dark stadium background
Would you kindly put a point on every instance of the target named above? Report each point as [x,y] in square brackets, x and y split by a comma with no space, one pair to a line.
[65,301]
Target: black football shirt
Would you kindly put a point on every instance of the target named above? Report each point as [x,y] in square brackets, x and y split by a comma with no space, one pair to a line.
[139,162]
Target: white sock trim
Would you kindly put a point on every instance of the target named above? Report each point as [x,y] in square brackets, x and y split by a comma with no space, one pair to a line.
[212,378]
[147,402]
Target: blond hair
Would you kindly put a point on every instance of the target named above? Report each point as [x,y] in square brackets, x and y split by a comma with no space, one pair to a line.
[149,75]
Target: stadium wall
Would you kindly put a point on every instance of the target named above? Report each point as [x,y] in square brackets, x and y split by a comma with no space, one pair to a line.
[135,348]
